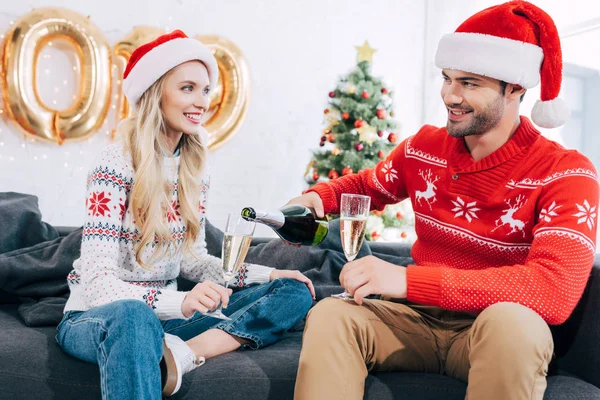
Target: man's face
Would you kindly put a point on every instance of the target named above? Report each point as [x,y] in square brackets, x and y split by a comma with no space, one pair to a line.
[475,103]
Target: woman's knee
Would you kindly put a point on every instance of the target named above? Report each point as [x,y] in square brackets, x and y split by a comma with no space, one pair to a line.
[298,294]
[134,317]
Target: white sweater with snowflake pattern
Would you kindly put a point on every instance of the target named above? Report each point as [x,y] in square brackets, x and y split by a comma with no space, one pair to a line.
[107,269]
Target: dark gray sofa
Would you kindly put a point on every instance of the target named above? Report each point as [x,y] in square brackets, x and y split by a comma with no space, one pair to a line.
[32,366]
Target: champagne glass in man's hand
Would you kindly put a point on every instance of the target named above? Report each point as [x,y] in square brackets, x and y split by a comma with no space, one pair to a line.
[354,210]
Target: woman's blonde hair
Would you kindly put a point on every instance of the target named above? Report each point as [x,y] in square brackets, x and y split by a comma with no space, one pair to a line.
[145,139]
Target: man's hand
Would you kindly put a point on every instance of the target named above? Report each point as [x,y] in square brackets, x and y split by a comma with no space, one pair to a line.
[312,200]
[371,275]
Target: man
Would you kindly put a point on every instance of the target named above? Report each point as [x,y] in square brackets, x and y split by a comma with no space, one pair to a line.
[506,224]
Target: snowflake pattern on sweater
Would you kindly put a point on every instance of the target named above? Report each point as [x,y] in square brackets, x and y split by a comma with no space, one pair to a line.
[517,226]
[107,269]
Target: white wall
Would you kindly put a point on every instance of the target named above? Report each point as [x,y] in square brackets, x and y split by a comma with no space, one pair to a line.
[296,51]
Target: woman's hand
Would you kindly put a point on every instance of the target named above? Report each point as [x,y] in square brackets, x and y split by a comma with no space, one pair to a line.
[297,275]
[203,297]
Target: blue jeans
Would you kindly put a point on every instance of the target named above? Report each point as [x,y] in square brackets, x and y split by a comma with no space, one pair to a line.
[125,338]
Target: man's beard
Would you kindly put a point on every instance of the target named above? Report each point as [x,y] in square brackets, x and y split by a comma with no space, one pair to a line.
[481,122]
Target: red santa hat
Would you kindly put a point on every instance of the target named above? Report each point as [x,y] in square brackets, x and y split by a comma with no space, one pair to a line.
[152,60]
[515,42]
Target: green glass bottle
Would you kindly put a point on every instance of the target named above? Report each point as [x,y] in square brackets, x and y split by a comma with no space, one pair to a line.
[294,223]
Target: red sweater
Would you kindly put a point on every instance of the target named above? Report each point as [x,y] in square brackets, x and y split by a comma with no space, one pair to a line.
[517,226]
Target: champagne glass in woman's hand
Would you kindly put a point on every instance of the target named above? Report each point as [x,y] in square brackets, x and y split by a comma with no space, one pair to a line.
[354,210]
[236,241]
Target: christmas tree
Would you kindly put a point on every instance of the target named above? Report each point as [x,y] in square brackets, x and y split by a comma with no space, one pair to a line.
[359,133]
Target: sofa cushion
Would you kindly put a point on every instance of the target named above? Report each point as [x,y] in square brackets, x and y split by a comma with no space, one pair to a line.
[570,388]
[38,272]
[22,226]
[32,365]
[21,222]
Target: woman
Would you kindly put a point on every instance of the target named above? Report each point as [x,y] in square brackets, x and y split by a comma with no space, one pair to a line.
[145,226]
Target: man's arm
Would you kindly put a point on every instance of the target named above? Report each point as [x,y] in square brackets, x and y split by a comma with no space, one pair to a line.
[384,183]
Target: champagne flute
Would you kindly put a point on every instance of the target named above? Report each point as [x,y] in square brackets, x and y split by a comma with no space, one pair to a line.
[236,241]
[354,210]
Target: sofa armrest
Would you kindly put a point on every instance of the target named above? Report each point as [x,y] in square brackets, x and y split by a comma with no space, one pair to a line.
[582,332]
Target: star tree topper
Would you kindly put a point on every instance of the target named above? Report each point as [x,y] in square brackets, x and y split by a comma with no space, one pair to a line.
[365,52]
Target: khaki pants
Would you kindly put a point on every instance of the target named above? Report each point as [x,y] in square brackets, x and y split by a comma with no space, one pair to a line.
[503,353]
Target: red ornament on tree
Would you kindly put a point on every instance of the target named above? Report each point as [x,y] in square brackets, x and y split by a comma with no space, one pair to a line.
[321,143]
[380,154]
[345,115]
[315,177]
[403,235]
[347,171]
[323,138]
[333,174]
[365,95]
[326,111]
[380,133]
[392,138]
[384,91]
[380,113]
[359,146]
[332,94]
[399,215]
[330,138]
[358,123]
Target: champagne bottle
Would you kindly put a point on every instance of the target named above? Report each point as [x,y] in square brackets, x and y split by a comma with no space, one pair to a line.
[294,223]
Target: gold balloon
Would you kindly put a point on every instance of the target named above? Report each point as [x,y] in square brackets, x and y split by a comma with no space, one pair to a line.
[229,101]
[138,36]
[22,46]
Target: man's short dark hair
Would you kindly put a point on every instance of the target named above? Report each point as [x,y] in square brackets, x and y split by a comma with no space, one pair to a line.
[503,90]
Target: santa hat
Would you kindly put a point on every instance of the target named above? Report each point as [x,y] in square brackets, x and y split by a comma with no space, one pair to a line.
[152,60]
[515,42]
